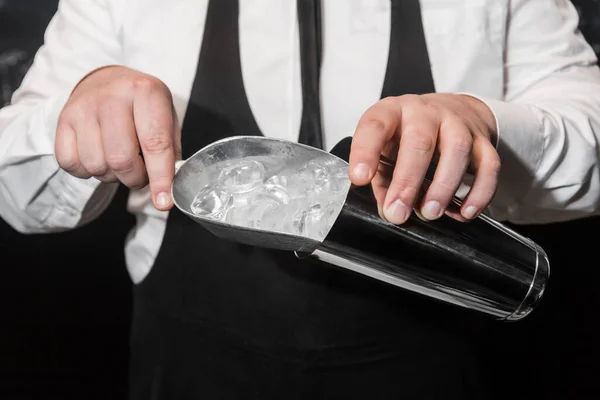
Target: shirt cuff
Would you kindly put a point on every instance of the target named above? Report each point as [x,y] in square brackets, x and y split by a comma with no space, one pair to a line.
[68,198]
[67,201]
[520,145]
[520,142]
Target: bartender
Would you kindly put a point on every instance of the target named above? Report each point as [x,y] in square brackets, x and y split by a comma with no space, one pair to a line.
[502,97]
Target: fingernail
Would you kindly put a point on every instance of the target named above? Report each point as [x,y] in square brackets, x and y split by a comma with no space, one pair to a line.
[470,212]
[361,171]
[380,210]
[397,212]
[421,217]
[162,200]
[431,210]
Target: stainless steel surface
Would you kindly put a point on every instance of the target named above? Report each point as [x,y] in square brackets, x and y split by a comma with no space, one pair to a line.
[480,265]
[195,172]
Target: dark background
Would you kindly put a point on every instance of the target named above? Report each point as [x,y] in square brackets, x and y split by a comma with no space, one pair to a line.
[64,316]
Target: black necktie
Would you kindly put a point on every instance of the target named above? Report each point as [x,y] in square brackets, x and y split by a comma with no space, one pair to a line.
[407,48]
[309,21]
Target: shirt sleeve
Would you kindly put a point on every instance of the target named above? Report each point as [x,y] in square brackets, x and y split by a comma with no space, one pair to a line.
[549,120]
[35,194]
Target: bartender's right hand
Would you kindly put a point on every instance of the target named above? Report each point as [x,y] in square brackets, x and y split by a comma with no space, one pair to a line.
[119,124]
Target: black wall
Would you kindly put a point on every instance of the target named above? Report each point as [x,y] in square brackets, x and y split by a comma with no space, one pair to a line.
[64,309]
[64,299]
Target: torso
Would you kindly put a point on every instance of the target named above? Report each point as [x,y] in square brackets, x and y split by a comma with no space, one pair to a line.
[217,318]
[465,41]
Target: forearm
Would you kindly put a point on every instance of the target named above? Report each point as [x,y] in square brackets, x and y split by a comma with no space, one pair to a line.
[35,195]
[548,145]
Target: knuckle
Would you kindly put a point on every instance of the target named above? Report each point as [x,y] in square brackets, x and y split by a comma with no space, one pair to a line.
[433,111]
[420,142]
[72,112]
[413,99]
[95,167]
[375,124]
[406,184]
[142,82]
[84,109]
[446,186]
[62,129]
[64,118]
[462,145]
[409,111]
[381,116]
[494,165]
[390,101]
[414,111]
[120,162]
[67,160]
[105,95]
[146,83]
[157,143]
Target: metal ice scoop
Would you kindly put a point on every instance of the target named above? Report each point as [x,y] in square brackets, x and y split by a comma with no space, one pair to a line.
[197,172]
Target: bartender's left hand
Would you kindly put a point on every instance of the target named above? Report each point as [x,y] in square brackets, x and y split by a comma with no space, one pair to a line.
[457,131]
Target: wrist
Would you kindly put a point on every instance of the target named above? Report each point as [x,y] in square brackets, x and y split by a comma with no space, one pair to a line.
[93,72]
[485,115]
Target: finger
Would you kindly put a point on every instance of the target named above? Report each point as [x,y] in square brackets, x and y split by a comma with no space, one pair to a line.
[454,213]
[89,146]
[120,143]
[109,177]
[375,128]
[67,155]
[177,135]
[455,144]
[486,164]
[419,130]
[380,184]
[153,116]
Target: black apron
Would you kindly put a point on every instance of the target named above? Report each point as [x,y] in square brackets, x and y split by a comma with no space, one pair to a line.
[218,320]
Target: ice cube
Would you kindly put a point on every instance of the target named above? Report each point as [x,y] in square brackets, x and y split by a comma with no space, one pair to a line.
[329,180]
[242,176]
[264,203]
[278,192]
[301,218]
[316,169]
[237,216]
[338,171]
[304,211]
[275,220]
[252,214]
[212,202]
[319,220]
[313,173]
[277,180]
[293,184]
[332,189]
[304,201]
[242,199]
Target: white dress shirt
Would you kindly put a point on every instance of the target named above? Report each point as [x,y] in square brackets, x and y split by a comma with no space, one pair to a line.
[524,58]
